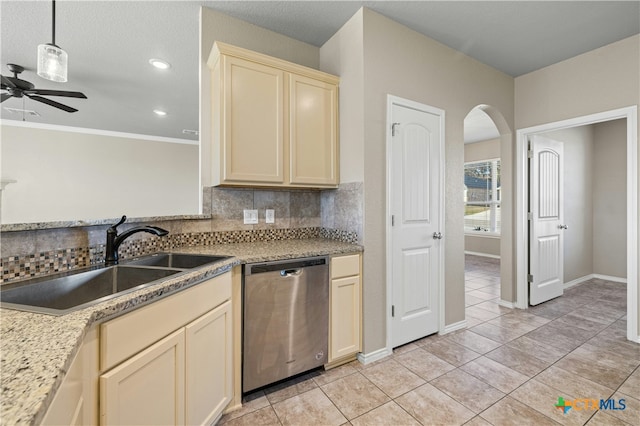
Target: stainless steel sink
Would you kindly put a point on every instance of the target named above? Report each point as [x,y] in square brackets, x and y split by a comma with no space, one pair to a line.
[72,291]
[177,260]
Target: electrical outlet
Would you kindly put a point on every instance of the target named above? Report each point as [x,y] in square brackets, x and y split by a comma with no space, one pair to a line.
[270,215]
[250,217]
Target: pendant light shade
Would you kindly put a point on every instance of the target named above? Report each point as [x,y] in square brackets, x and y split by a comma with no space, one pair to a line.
[52,60]
[52,63]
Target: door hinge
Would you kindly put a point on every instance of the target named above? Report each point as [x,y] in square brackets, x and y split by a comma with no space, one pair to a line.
[393,128]
[529,216]
[393,311]
[393,220]
[529,154]
[530,278]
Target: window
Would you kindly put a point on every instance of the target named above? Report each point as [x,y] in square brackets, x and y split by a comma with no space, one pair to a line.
[482,197]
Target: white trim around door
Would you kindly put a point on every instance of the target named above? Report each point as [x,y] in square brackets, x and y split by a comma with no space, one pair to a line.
[522,188]
[391,101]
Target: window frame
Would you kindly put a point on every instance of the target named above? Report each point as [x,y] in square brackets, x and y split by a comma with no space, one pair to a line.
[493,203]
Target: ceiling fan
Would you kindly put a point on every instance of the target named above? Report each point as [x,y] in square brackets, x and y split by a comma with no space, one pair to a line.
[18,88]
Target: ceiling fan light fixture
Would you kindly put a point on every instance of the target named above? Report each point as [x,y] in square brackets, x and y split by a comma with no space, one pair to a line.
[52,63]
[52,60]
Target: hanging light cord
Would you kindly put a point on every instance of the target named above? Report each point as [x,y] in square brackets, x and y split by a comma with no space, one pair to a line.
[53,23]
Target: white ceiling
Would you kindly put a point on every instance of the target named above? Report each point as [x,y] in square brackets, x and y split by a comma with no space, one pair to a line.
[110,42]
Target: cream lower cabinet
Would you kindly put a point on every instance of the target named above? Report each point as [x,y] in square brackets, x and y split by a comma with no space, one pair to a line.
[67,407]
[345,328]
[274,123]
[185,375]
[147,389]
[209,375]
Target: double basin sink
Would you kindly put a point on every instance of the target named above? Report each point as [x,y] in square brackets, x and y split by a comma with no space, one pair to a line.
[71,291]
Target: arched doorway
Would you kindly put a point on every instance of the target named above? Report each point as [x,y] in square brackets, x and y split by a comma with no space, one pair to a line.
[487,216]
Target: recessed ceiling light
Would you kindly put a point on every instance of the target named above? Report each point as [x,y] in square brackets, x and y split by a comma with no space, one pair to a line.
[160,64]
[160,112]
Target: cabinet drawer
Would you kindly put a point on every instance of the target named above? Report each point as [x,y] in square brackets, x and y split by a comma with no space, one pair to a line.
[344,266]
[127,335]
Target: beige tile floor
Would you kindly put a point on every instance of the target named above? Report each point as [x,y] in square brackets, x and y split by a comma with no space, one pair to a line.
[508,367]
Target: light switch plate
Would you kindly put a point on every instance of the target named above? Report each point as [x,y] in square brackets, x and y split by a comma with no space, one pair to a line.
[250,217]
[270,215]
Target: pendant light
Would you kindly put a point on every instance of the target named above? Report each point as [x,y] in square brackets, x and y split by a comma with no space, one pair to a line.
[52,60]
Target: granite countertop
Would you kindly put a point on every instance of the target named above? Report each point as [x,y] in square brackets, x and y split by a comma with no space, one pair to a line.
[36,350]
[12,227]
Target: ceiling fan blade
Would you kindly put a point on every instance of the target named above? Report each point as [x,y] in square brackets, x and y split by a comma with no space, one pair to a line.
[8,82]
[64,93]
[5,96]
[52,103]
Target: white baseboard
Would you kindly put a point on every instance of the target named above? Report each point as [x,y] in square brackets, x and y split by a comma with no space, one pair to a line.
[510,305]
[592,276]
[610,278]
[374,356]
[577,281]
[454,327]
[476,253]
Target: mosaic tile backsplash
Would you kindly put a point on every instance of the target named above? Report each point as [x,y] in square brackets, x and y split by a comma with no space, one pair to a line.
[28,266]
[333,214]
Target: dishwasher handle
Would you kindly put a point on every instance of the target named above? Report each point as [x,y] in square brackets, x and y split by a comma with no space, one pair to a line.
[285,267]
[290,272]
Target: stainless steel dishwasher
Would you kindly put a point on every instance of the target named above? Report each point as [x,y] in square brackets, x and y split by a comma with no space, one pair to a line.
[286,319]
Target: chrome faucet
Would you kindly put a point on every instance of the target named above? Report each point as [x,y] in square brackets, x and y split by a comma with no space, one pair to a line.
[114,240]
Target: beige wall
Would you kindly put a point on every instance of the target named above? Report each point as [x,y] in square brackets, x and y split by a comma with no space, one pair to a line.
[482,245]
[216,26]
[343,55]
[579,178]
[480,151]
[403,63]
[596,81]
[87,176]
[600,80]
[610,199]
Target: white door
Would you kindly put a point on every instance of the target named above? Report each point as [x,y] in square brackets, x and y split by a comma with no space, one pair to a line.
[416,233]
[546,226]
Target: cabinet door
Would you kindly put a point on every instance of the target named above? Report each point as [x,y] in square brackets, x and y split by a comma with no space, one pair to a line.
[147,389]
[252,122]
[209,369]
[345,317]
[313,132]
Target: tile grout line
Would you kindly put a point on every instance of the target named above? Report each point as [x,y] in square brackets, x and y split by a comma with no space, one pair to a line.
[574,305]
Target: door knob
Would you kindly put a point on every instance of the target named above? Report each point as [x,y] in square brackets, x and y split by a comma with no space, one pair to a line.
[437,236]
[563,227]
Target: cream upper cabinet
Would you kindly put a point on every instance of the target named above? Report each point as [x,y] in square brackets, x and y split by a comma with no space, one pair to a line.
[252,98]
[345,328]
[313,131]
[274,123]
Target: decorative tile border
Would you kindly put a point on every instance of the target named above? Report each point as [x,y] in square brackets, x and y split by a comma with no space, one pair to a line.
[19,267]
[15,268]
[339,235]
